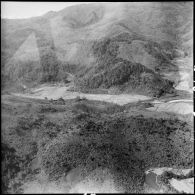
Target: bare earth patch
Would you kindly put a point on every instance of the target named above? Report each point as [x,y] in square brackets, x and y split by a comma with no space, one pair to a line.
[55,92]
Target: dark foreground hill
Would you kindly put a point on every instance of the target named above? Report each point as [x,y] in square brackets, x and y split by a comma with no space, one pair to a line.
[56,137]
[120,47]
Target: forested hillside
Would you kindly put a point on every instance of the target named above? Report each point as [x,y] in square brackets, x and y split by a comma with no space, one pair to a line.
[146,39]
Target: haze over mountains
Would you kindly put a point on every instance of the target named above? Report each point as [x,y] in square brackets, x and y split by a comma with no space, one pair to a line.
[114,47]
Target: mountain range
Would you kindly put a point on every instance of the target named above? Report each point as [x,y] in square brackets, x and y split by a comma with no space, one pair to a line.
[109,47]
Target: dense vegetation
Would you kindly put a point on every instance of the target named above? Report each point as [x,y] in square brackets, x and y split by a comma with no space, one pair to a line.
[127,76]
[57,136]
[108,71]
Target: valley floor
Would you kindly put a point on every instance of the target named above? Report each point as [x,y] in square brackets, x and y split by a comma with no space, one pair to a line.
[55,92]
[178,106]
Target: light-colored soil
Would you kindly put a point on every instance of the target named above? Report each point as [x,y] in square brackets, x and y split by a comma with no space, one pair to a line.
[161,170]
[183,185]
[99,181]
[186,74]
[178,107]
[55,92]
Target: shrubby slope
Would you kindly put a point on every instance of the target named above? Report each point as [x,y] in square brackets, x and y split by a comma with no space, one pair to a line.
[57,136]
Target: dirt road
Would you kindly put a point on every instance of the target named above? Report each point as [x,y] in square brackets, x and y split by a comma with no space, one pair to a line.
[181,106]
[55,92]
